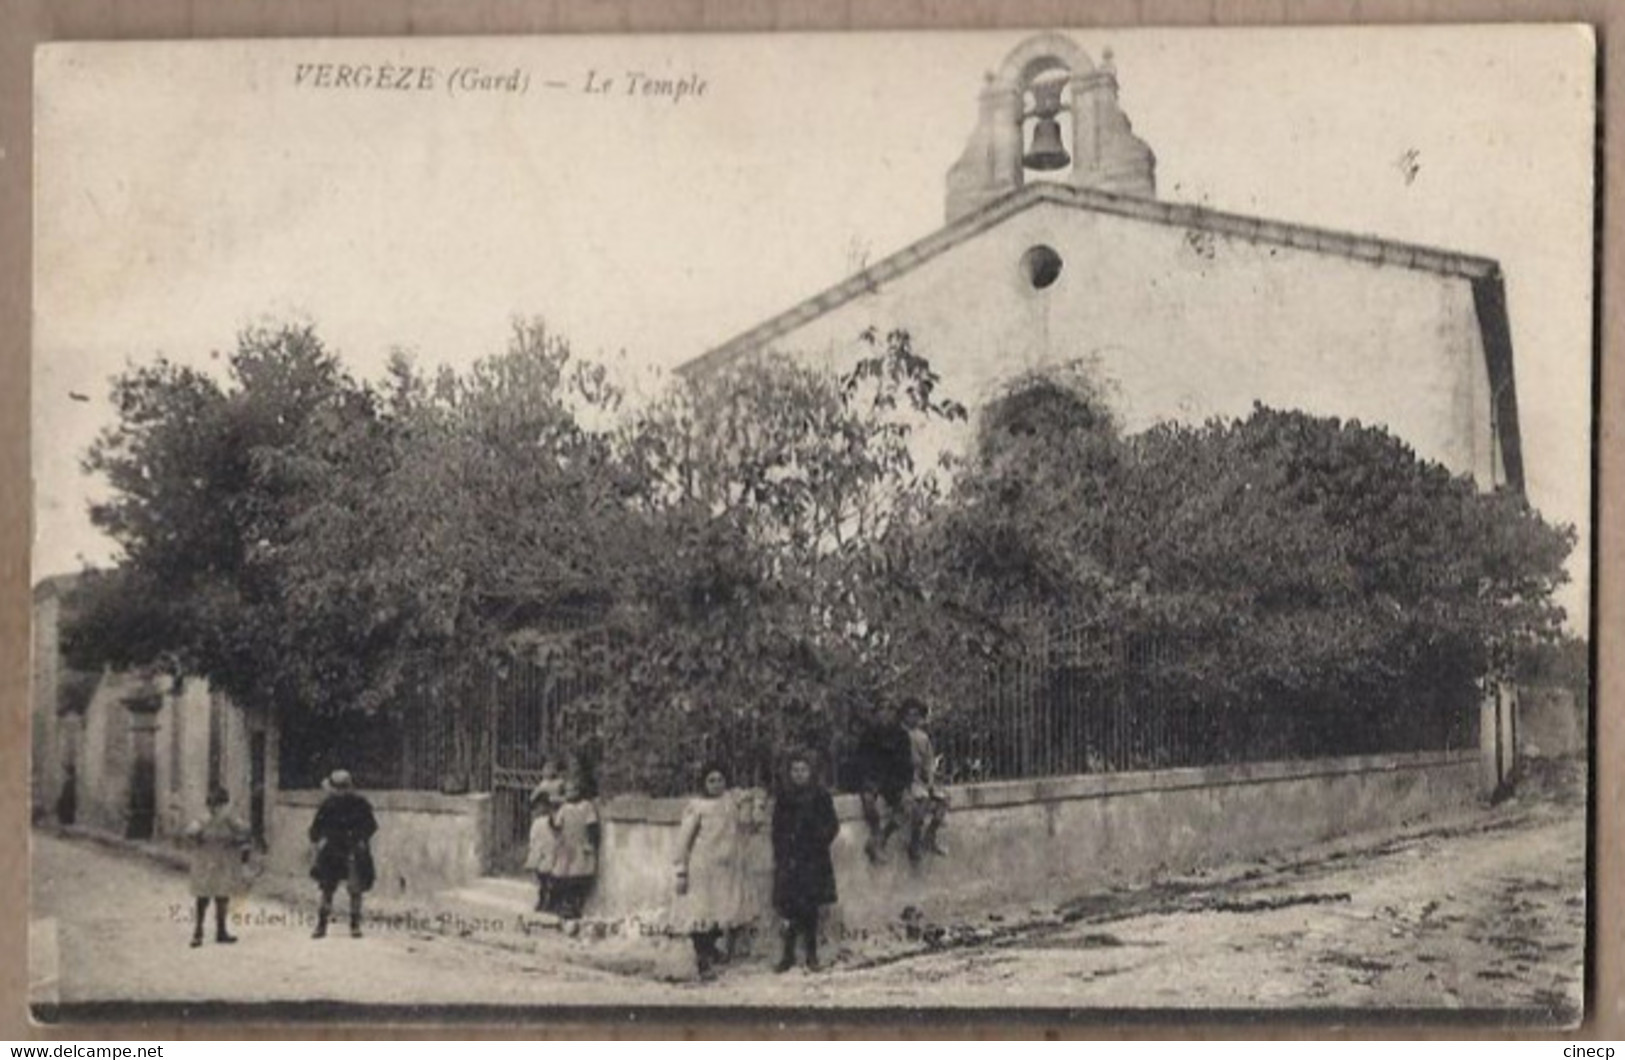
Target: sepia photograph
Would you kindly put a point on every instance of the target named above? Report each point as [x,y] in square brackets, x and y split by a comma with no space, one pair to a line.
[1065,521]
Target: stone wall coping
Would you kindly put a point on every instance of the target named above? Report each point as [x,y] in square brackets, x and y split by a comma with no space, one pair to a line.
[395,801]
[630,809]
[989,795]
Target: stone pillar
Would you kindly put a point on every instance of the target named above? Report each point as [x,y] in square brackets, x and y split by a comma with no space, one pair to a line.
[1498,737]
[1004,107]
[261,780]
[1489,742]
[1085,89]
[1506,696]
[1106,154]
[990,165]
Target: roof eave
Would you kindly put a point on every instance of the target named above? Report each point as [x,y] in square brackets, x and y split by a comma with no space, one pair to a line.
[1372,249]
[1490,303]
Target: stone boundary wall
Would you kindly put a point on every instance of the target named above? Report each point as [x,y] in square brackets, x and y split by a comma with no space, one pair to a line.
[1009,842]
[1551,721]
[1052,838]
[426,841]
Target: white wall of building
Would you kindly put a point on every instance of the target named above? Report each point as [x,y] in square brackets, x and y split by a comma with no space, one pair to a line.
[46,763]
[105,754]
[1184,324]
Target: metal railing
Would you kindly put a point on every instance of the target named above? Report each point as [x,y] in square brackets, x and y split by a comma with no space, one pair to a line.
[1076,700]
[1087,700]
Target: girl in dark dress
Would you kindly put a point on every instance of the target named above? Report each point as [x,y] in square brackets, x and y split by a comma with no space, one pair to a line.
[804,826]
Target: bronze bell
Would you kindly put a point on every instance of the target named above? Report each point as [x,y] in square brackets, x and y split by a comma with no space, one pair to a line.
[1047,151]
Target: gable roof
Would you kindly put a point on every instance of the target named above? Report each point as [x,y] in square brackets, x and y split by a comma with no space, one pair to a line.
[1489,296]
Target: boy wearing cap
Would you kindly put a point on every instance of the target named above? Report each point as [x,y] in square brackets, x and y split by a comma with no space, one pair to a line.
[342,831]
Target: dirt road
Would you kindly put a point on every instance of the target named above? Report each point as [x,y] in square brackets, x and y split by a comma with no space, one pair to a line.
[1477,914]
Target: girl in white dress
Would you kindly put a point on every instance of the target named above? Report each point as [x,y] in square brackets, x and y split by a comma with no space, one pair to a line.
[712,892]
[544,799]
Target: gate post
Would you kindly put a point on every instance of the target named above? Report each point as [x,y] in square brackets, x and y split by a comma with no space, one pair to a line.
[1497,737]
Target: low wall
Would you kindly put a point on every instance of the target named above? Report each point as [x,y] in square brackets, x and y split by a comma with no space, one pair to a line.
[426,841]
[1551,721]
[1034,840]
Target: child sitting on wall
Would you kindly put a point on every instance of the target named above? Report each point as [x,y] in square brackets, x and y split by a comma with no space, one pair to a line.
[925,802]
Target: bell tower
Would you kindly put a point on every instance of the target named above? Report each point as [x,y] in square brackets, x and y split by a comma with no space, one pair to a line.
[1043,78]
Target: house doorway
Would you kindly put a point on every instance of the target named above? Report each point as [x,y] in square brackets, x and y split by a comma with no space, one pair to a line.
[142,812]
[256,785]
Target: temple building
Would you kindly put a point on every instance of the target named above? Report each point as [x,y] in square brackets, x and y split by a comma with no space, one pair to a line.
[1056,250]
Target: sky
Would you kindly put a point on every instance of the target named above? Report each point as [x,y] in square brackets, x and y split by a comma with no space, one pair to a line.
[185,191]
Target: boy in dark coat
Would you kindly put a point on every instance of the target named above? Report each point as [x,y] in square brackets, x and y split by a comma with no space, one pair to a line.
[885,770]
[342,831]
[804,826]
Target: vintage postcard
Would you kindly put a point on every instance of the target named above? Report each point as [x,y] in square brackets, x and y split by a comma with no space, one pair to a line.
[1026,520]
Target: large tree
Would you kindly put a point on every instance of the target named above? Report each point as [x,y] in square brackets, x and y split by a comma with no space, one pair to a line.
[758,617]
[311,543]
[204,494]
[477,509]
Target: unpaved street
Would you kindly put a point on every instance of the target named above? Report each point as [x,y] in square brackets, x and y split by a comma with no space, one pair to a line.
[110,927]
[1479,911]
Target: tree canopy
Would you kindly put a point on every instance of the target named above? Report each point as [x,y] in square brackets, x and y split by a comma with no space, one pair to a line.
[206,491]
[1291,558]
[763,551]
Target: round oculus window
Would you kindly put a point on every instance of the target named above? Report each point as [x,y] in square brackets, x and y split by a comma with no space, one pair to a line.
[1041,265]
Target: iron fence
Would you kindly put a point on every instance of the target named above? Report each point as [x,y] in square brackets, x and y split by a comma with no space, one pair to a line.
[1088,700]
[1078,699]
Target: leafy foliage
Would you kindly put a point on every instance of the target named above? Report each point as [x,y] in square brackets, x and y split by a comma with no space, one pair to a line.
[1294,559]
[769,490]
[756,556]
[205,496]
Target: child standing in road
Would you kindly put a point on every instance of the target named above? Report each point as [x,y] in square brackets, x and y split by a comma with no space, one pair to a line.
[804,826]
[577,834]
[217,866]
[544,800]
[342,836]
[712,900]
